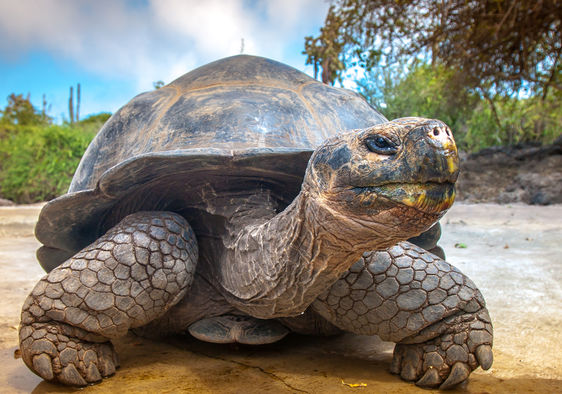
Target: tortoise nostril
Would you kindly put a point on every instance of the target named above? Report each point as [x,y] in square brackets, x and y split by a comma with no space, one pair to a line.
[436,131]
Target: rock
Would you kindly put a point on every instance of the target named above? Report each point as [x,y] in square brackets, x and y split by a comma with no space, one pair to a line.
[6,203]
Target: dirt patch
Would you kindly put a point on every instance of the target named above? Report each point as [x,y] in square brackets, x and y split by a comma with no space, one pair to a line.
[527,174]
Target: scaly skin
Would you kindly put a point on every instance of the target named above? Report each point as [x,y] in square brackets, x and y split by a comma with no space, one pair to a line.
[431,310]
[132,275]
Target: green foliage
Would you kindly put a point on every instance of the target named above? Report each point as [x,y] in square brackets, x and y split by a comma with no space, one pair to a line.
[37,162]
[477,123]
[530,120]
[92,123]
[20,111]
[425,91]
[38,159]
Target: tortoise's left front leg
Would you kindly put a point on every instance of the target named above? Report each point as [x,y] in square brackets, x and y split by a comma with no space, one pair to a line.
[130,276]
[434,313]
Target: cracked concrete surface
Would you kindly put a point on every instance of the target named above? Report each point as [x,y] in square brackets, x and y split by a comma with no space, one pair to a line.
[513,253]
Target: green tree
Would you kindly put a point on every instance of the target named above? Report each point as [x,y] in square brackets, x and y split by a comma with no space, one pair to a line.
[495,45]
[324,51]
[20,111]
[494,64]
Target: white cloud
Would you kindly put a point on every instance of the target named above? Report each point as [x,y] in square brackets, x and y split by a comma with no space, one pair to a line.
[158,40]
[214,26]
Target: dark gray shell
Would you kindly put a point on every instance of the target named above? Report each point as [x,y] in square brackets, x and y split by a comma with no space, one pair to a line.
[234,124]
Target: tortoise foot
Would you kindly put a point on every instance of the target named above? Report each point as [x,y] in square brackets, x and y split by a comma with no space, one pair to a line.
[447,360]
[54,354]
[238,329]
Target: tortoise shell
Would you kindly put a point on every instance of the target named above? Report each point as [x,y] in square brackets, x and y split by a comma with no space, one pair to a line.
[234,125]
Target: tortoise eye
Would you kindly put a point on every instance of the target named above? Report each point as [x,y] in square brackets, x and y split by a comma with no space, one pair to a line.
[381,145]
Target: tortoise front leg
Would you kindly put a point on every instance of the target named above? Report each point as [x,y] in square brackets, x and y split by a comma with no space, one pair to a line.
[434,313]
[132,275]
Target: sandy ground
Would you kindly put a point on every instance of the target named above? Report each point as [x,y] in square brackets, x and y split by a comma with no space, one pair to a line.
[513,253]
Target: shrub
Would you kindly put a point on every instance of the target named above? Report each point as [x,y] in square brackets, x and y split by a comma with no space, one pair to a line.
[433,92]
[37,162]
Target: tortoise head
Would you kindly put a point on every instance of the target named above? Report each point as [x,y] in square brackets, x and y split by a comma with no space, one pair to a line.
[399,175]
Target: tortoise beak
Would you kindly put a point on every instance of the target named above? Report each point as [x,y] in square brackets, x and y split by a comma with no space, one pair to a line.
[428,197]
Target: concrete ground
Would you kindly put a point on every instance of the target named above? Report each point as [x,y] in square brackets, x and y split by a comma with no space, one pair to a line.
[513,253]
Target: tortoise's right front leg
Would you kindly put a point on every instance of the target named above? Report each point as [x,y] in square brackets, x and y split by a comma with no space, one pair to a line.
[132,275]
[433,312]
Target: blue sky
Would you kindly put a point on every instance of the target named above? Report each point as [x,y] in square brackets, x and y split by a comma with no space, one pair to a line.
[117,48]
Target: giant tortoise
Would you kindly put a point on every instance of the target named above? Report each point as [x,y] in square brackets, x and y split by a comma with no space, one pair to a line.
[243,201]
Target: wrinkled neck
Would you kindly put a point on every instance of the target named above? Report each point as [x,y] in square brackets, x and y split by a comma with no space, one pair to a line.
[277,266]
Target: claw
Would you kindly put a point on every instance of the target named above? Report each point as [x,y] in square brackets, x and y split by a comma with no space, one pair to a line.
[430,378]
[485,356]
[92,374]
[107,368]
[70,376]
[459,373]
[42,364]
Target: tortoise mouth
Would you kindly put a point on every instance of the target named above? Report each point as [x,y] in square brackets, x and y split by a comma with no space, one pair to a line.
[429,197]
